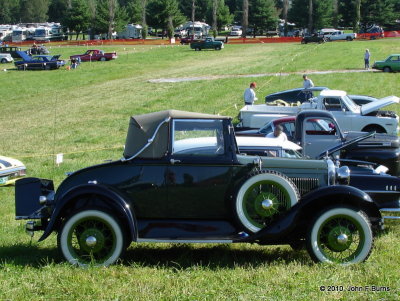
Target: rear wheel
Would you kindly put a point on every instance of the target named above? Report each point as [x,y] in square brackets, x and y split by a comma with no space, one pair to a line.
[349,38]
[103,59]
[340,235]
[387,69]
[91,237]
[262,198]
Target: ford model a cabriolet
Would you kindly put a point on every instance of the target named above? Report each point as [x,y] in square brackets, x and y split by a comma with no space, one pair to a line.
[167,190]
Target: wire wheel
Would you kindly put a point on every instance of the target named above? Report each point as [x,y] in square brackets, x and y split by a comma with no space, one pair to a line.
[263,198]
[340,235]
[91,237]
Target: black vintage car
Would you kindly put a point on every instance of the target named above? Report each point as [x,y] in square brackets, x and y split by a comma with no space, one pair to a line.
[315,38]
[182,180]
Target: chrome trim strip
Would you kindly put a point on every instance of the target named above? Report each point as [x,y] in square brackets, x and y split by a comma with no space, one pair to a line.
[389,210]
[8,172]
[222,241]
[150,141]
[382,191]
[391,217]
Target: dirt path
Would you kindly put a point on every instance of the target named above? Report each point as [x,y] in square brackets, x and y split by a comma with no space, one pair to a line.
[214,77]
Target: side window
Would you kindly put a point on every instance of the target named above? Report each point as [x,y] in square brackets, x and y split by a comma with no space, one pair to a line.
[198,138]
[332,104]
[319,126]
[288,128]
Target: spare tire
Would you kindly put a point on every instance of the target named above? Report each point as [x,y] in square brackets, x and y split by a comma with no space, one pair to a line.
[263,197]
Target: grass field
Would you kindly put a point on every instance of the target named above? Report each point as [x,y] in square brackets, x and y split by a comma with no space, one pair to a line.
[84,114]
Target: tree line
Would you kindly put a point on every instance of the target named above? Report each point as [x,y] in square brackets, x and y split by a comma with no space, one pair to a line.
[106,16]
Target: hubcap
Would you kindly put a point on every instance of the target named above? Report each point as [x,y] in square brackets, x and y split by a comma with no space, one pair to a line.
[342,239]
[267,204]
[91,241]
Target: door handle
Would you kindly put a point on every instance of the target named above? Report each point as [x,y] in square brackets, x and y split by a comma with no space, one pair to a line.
[173,161]
[308,143]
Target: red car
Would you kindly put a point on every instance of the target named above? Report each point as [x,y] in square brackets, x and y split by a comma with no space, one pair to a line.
[95,55]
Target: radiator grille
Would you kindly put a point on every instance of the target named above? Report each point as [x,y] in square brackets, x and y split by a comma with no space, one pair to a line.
[305,185]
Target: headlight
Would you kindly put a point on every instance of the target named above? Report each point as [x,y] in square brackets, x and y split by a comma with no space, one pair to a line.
[343,175]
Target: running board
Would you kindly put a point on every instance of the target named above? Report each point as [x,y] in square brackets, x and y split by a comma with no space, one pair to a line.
[184,241]
[391,210]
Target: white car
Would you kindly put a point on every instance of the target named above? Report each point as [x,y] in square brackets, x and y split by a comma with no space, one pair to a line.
[6,58]
[236,32]
[10,170]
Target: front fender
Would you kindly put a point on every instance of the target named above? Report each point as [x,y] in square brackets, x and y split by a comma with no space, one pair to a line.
[110,195]
[297,218]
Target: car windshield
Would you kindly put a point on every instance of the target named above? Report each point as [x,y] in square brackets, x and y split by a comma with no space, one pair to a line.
[266,129]
[350,104]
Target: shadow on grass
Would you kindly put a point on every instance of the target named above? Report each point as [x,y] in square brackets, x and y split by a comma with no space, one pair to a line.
[213,257]
[29,255]
[177,256]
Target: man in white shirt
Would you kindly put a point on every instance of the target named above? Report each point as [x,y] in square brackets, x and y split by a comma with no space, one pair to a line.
[249,94]
[307,84]
[278,134]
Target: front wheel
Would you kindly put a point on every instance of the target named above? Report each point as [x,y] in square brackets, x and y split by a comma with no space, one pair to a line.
[91,237]
[340,235]
[262,198]
[3,61]
[103,59]
[217,47]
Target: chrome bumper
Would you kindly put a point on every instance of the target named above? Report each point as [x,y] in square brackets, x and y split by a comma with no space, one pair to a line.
[395,213]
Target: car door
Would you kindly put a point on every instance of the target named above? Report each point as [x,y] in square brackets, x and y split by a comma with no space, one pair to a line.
[319,134]
[395,63]
[342,114]
[199,170]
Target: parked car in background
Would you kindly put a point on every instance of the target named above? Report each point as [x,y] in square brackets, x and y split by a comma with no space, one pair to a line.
[189,39]
[38,62]
[299,95]
[207,43]
[335,35]
[6,58]
[95,55]
[10,170]
[391,64]
[350,116]
[167,188]
[236,32]
[317,131]
[11,50]
[315,38]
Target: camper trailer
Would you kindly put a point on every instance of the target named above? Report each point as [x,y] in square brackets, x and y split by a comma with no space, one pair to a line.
[20,34]
[49,32]
[131,31]
[198,29]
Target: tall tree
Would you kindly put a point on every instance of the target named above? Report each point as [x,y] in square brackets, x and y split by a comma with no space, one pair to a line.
[224,17]
[9,11]
[214,16]
[335,13]
[310,16]
[34,10]
[77,18]
[263,16]
[357,16]
[245,17]
[110,17]
[57,10]
[166,14]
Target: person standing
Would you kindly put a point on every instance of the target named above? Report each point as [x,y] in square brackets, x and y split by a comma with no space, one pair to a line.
[367,55]
[250,95]
[307,84]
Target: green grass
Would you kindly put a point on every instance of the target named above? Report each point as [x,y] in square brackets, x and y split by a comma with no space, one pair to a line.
[84,114]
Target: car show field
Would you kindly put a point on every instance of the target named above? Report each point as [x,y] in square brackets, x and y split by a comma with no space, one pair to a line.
[83,114]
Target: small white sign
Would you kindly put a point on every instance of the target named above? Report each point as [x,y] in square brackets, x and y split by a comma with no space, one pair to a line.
[59,159]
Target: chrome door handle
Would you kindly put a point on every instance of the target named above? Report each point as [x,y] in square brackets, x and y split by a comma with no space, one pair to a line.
[173,161]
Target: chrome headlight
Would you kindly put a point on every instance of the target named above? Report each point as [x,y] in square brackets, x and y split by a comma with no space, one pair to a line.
[343,175]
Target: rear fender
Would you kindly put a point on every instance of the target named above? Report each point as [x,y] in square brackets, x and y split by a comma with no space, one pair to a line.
[109,196]
[297,218]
